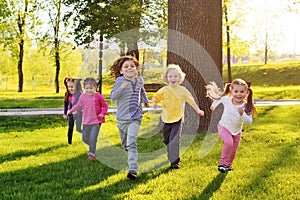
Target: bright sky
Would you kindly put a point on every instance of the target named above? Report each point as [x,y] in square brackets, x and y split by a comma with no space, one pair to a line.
[283,27]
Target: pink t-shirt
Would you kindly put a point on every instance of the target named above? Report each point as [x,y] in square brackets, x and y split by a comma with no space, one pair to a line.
[92,106]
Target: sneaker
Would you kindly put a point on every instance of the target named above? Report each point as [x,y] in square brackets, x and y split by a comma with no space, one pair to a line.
[224,168]
[175,165]
[132,175]
[92,156]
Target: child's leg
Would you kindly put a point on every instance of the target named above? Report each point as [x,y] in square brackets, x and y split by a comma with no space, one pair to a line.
[128,135]
[70,129]
[131,146]
[94,132]
[86,134]
[174,142]
[227,146]
[78,121]
[166,133]
[236,143]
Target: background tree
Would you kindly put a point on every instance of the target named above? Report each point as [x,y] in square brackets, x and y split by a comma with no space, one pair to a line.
[18,23]
[199,52]
[233,12]
[124,21]
[57,30]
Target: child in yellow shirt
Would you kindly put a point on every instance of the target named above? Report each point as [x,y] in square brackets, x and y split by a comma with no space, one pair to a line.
[173,98]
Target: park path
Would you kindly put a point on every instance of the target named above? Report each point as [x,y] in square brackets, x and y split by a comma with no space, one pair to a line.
[27,112]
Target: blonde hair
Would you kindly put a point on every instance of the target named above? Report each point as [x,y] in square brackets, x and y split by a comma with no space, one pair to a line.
[173,67]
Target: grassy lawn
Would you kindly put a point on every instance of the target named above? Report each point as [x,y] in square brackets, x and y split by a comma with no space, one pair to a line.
[273,81]
[37,163]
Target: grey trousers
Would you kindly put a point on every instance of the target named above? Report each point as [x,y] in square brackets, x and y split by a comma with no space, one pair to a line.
[128,136]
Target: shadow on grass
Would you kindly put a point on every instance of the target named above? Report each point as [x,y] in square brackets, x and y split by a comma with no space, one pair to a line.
[24,153]
[212,187]
[76,178]
[286,156]
[19,124]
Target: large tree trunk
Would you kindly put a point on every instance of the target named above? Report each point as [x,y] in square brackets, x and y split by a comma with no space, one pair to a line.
[195,43]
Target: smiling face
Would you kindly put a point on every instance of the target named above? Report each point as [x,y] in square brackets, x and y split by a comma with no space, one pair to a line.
[173,78]
[238,93]
[71,87]
[129,70]
[90,89]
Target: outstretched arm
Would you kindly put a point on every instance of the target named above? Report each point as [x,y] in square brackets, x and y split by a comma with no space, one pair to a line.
[197,109]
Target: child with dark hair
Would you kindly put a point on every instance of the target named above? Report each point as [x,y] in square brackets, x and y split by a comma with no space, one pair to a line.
[129,92]
[72,94]
[238,109]
[94,110]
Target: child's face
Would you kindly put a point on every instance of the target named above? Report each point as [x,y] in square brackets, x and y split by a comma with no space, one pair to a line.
[238,93]
[129,70]
[71,87]
[89,89]
[173,77]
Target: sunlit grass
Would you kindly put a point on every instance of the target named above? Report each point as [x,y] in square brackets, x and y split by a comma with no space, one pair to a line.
[279,92]
[37,163]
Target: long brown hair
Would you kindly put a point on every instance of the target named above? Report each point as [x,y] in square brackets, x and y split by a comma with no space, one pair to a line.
[117,65]
[78,86]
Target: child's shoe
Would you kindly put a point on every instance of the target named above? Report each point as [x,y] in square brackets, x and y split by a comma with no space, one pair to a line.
[175,165]
[224,168]
[132,175]
[92,156]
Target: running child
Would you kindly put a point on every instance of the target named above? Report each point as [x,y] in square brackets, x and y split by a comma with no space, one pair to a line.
[173,98]
[72,94]
[238,109]
[129,92]
[94,110]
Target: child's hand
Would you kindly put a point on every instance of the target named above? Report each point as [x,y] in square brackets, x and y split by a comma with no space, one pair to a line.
[124,85]
[241,111]
[212,108]
[101,116]
[65,116]
[69,112]
[201,113]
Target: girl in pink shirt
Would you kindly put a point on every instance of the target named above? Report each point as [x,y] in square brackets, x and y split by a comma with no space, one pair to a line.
[94,110]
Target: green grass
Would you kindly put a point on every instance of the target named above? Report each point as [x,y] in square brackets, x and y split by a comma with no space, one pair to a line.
[272,74]
[276,80]
[37,163]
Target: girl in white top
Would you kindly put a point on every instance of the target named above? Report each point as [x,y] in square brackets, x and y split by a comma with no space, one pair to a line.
[238,109]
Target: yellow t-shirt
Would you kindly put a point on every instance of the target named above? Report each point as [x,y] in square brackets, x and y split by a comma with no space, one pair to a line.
[173,101]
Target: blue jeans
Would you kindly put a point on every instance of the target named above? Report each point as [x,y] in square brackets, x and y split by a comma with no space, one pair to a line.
[90,134]
[71,121]
[128,135]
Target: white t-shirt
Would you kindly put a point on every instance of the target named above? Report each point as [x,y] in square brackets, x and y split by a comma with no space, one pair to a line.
[231,118]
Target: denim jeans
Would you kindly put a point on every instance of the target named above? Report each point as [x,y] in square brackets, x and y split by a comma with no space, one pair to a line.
[90,136]
[71,121]
[128,136]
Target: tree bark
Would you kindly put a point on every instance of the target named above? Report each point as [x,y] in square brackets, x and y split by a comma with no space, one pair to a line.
[228,44]
[195,43]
